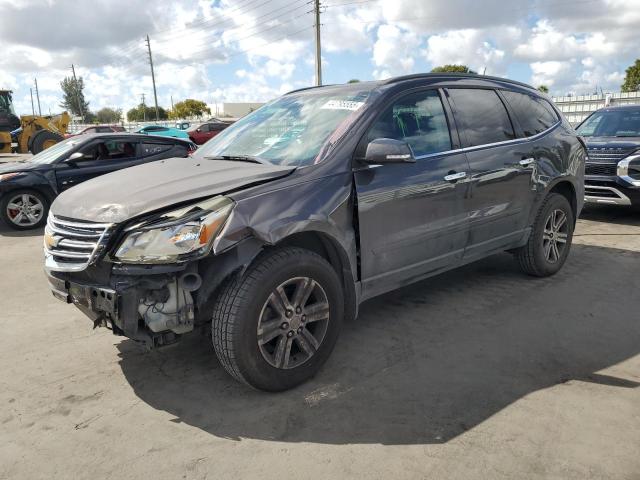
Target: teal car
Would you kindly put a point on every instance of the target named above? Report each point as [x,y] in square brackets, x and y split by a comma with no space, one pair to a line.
[163,131]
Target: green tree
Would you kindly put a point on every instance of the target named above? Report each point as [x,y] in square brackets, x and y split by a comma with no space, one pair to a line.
[73,96]
[354,80]
[452,69]
[109,115]
[543,89]
[145,112]
[189,108]
[632,78]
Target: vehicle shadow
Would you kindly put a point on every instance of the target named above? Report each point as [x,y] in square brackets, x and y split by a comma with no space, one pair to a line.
[422,364]
[611,214]
[6,231]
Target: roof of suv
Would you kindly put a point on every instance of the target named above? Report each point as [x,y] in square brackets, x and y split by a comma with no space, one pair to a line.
[88,136]
[372,84]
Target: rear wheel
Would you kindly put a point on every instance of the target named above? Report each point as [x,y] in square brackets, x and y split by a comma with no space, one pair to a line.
[550,241]
[24,209]
[43,140]
[274,327]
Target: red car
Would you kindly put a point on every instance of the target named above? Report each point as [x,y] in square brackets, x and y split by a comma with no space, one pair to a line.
[206,131]
[97,129]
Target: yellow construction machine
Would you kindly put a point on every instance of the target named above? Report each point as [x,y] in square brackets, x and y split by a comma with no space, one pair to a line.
[31,133]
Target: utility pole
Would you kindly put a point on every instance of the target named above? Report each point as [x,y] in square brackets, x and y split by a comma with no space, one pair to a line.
[38,96]
[316,8]
[33,109]
[144,109]
[172,103]
[153,78]
[77,89]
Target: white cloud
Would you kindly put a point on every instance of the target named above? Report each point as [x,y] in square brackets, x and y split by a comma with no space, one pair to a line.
[394,51]
[465,47]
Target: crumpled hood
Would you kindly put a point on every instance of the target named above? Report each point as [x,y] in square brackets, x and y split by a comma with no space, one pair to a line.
[127,193]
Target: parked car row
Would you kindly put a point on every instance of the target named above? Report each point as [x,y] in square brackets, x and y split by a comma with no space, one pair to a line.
[199,134]
[279,227]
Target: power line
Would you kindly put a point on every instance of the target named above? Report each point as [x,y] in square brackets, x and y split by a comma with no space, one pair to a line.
[186,34]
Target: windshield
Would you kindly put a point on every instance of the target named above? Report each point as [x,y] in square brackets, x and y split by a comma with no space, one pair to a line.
[290,130]
[612,123]
[53,153]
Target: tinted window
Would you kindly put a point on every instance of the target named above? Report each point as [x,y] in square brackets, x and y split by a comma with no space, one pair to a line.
[612,123]
[534,114]
[481,116]
[149,148]
[109,150]
[419,120]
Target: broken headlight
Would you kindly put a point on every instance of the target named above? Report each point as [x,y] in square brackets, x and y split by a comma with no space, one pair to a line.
[177,235]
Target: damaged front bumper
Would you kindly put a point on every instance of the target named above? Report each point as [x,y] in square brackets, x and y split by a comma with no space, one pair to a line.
[151,305]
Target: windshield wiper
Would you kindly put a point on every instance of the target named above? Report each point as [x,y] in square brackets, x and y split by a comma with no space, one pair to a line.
[239,158]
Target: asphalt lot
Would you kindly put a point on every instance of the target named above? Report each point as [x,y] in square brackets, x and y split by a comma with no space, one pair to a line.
[479,373]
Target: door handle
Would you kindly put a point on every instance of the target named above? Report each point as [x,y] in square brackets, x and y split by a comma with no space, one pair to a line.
[525,162]
[452,177]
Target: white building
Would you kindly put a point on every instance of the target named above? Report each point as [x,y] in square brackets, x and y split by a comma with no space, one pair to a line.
[237,110]
[577,108]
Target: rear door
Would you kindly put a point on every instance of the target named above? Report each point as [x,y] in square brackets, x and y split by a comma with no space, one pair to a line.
[501,166]
[412,219]
[101,156]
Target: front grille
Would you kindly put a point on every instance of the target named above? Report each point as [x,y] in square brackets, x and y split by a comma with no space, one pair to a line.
[72,245]
[609,155]
[600,192]
[608,169]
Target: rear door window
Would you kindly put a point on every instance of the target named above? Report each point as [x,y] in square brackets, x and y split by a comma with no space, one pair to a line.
[534,114]
[481,116]
[417,119]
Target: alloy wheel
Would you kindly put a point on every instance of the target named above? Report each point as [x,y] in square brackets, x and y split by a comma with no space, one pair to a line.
[555,235]
[25,210]
[293,323]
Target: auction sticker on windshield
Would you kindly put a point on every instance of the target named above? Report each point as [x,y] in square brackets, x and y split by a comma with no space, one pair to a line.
[342,105]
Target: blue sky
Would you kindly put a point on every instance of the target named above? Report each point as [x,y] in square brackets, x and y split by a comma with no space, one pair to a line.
[254,50]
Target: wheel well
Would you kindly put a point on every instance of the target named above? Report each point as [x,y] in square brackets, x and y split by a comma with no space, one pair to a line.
[324,246]
[317,243]
[566,189]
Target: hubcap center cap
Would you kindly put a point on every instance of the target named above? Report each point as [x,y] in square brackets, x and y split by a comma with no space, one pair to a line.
[295,322]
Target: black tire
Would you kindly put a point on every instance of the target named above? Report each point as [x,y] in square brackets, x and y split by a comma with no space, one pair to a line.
[42,138]
[239,307]
[534,258]
[10,196]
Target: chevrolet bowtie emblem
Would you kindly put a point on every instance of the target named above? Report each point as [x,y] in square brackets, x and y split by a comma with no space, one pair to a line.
[51,241]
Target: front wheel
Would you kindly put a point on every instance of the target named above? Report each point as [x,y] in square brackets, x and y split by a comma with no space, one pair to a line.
[276,325]
[550,240]
[24,209]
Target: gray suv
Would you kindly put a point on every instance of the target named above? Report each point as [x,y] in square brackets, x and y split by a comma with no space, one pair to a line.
[276,230]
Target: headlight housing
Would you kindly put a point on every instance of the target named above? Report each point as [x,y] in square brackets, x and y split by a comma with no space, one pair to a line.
[176,236]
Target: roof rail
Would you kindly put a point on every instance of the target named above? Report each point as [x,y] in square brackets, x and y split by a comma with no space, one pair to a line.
[308,88]
[454,75]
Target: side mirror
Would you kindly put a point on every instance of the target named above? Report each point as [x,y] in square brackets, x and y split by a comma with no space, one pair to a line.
[388,150]
[198,130]
[74,157]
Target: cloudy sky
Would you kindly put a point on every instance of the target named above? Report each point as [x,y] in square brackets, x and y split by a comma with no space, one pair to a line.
[253,50]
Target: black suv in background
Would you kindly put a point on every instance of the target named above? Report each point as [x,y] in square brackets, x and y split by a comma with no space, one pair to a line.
[28,187]
[612,171]
[279,227]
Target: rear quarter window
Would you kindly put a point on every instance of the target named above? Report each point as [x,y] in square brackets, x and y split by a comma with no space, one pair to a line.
[534,114]
[149,148]
[481,116]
